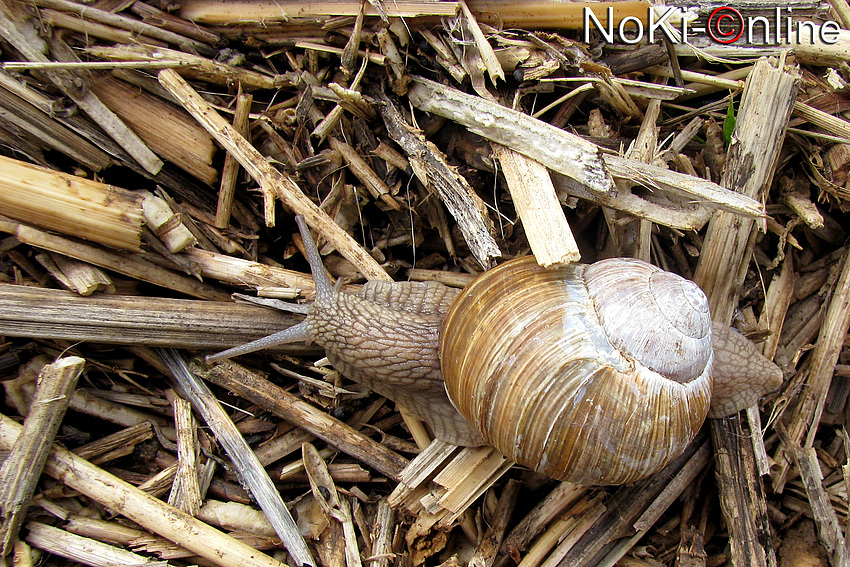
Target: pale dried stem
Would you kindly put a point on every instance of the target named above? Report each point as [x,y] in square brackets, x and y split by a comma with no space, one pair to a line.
[69,204]
[230,170]
[211,12]
[21,470]
[132,265]
[278,401]
[251,471]
[132,320]
[147,511]
[537,205]
[77,548]
[271,180]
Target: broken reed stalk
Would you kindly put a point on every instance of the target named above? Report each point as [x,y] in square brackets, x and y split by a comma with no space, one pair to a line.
[27,311]
[555,148]
[140,507]
[86,550]
[21,470]
[132,265]
[273,182]
[431,168]
[751,160]
[537,205]
[247,465]
[69,204]
[274,399]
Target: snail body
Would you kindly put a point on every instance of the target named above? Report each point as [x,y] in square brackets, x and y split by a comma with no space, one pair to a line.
[597,374]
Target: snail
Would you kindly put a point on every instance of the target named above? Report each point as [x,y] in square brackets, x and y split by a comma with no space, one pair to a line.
[596,374]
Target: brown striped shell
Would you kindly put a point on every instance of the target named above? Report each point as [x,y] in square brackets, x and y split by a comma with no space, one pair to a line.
[561,369]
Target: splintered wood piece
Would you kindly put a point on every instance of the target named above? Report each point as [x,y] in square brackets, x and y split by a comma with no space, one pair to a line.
[132,265]
[623,508]
[21,470]
[69,204]
[750,164]
[230,170]
[751,161]
[276,400]
[147,511]
[434,172]
[817,376]
[830,532]
[221,12]
[557,149]
[488,55]
[485,553]
[271,180]
[537,204]
[248,466]
[547,509]
[79,277]
[78,548]
[167,129]
[185,492]
[444,480]
[27,311]
[742,499]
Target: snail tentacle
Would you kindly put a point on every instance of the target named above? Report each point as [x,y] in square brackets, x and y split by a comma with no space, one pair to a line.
[293,334]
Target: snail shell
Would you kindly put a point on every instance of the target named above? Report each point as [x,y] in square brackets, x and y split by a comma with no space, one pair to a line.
[594,374]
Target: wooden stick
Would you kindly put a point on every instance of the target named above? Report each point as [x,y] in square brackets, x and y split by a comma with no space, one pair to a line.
[432,169]
[27,311]
[221,12]
[134,266]
[69,204]
[752,157]
[537,204]
[557,149]
[78,548]
[230,170]
[247,464]
[147,511]
[22,468]
[271,180]
[274,399]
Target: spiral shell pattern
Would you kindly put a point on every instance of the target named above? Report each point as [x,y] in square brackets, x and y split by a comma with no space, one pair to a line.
[528,362]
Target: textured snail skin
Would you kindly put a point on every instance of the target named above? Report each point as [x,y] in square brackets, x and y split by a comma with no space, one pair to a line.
[536,363]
